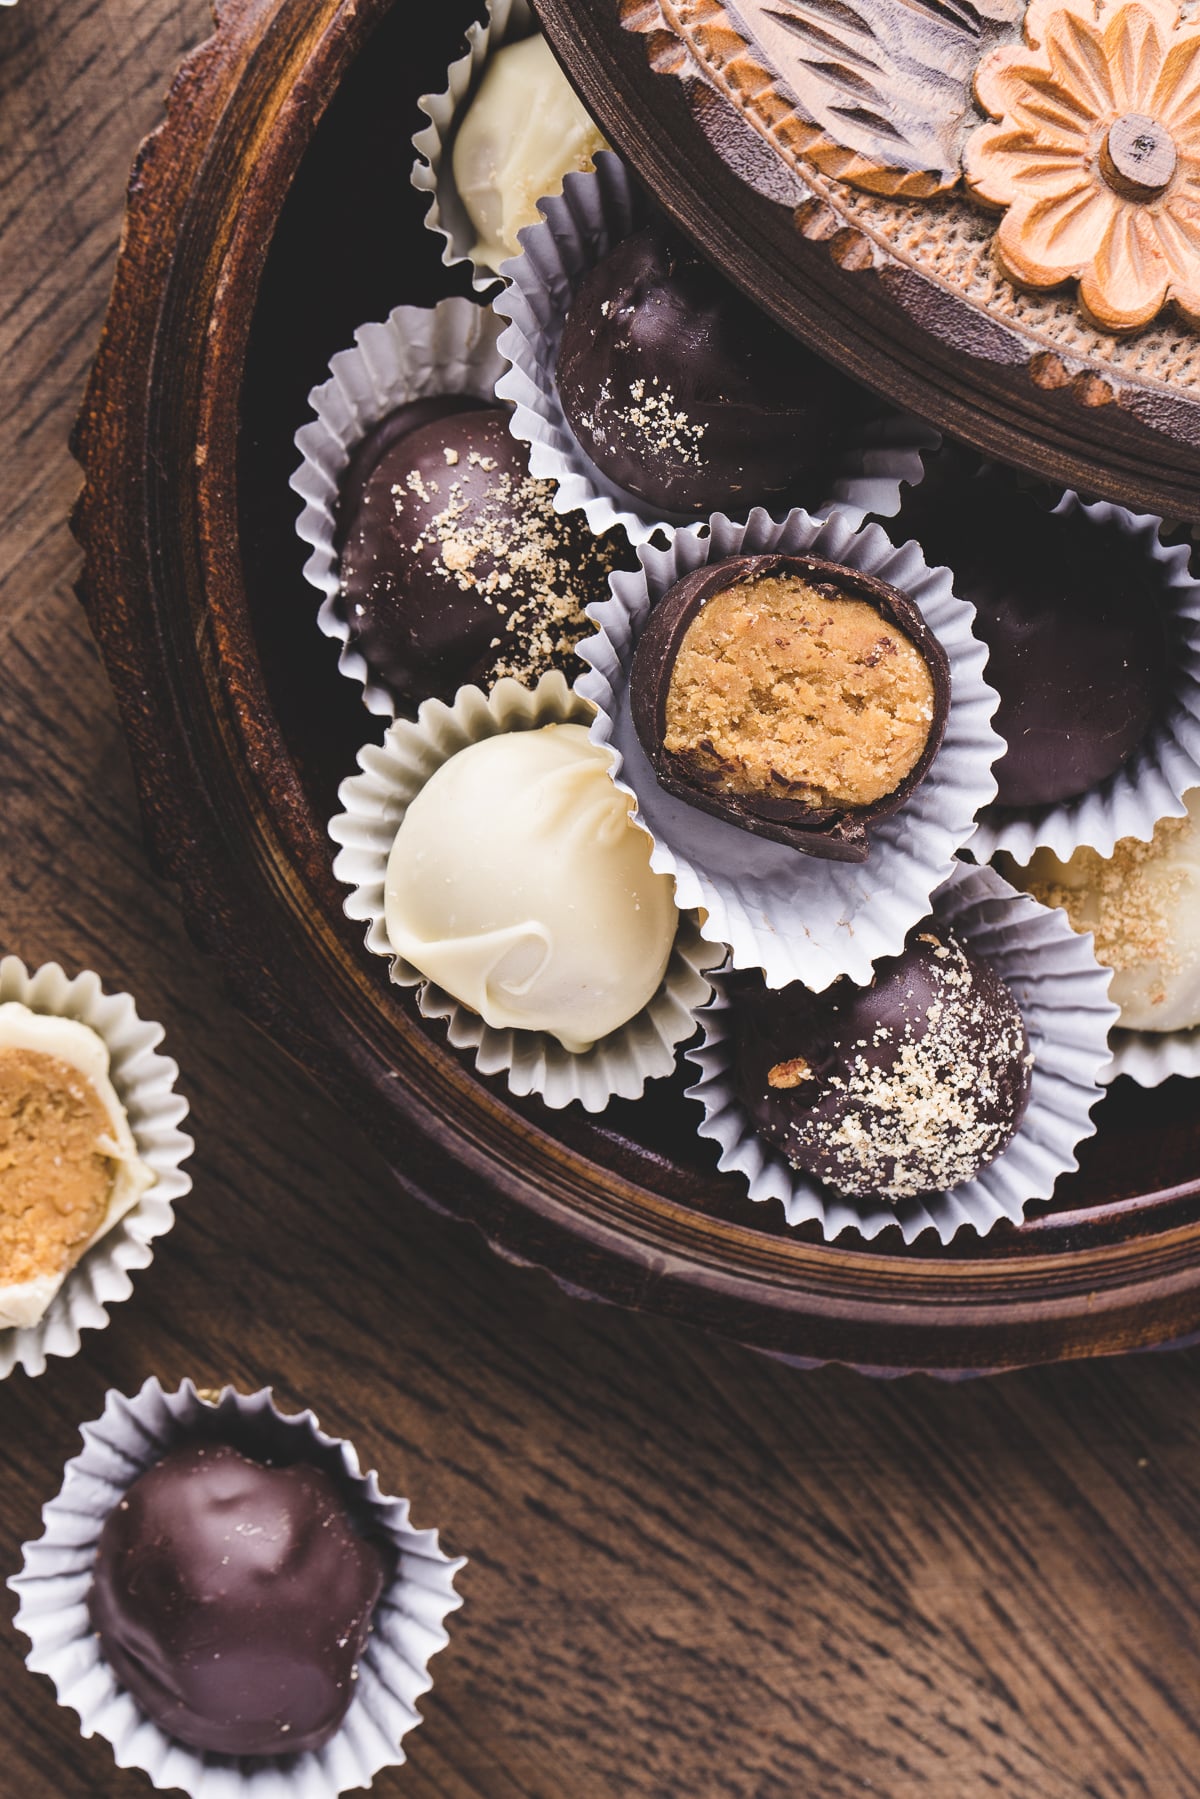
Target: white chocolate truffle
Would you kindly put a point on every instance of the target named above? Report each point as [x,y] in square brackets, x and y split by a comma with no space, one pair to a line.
[520,885]
[69,1165]
[1143,904]
[523,132]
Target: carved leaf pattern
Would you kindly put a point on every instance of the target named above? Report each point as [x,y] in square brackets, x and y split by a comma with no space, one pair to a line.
[890,79]
[874,92]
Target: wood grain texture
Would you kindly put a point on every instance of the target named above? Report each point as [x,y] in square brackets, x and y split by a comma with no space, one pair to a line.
[693,1571]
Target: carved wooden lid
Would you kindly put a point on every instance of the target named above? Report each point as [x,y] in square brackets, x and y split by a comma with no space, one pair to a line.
[1015,187]
[1093,159]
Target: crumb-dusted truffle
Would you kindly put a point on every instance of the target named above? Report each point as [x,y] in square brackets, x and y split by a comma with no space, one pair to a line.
[684,394]
[233,1599]
[519,884]
[69,1165]
[454,566]
[1072,612]
[910,1085]
[1143,905]
[524,131]
[792,697]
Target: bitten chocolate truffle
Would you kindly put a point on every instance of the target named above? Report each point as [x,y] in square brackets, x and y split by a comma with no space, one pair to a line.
[1072,613]
[910,1085]
[234,1599]
[455,568]
[795,698]
[69,1162]
[684,394]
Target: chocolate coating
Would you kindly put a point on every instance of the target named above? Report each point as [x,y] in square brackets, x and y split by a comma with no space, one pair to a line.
[910,1085]
[835,834]
[684,393]
[454,566]
[1071,613]
[234,1599]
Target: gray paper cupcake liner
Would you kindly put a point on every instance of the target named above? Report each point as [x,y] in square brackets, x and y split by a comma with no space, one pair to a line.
[801,917]
[1063,997]
[1152,1057]
[1151,785]
[594,213]
[56,1576]
[145,1084]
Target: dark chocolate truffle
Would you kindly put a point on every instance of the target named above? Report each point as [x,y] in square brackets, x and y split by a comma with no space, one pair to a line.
[684,394]
[795,698]
[455,567]
[910,1085]
[1072,613]
[234,1599]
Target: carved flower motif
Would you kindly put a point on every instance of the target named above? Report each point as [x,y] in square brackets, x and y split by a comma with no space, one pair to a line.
[1097,155]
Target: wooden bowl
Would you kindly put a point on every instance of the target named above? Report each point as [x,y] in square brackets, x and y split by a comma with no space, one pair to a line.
[269,217]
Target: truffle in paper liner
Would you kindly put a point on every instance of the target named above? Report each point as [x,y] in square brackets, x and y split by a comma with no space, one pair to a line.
[56,1576]
[145,1085]
[796,917]
[1063,997]
[375,801]
[413,354]
[595,212]
[505,22]
[1152,783]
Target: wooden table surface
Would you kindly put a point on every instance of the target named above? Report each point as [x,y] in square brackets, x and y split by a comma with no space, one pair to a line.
[692,1572]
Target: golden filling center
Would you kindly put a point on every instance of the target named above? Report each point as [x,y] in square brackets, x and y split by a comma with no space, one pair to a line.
[55,1183]
[778,686]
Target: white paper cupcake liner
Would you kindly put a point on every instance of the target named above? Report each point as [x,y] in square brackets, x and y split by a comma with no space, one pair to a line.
[1153,782]
[413,354]
[798,917]
[56,1577]
[504,22]
[1063,997]
[595,212]
[1152,1057]
[145,1085]
[376,801]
